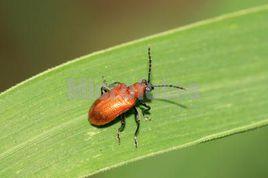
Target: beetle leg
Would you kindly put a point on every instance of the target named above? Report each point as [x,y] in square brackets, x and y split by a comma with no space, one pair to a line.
[137,119]
[121,128]
[104,89]
[145,111]
[113,84]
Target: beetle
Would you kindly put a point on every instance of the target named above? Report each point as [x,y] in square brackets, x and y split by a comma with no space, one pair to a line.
[118,98]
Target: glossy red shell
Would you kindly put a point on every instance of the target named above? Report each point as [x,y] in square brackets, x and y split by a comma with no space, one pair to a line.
[114,103]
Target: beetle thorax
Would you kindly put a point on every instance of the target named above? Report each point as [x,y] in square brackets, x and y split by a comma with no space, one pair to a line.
[137,90]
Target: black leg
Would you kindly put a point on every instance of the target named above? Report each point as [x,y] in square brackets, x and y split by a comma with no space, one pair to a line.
[146,110]
[113,84]
[121,128]
[137,119]
[104,89]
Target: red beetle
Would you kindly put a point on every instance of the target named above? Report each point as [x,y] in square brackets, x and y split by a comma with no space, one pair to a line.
[118,98]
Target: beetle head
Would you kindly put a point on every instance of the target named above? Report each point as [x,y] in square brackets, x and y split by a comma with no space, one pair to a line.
[148,88]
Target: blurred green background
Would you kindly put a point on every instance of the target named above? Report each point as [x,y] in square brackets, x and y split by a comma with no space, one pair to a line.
[37,35]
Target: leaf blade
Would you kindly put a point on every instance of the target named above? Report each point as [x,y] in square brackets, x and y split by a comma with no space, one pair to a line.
[44,131]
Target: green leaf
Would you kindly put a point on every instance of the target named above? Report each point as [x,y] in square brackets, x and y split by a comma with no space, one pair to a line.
[222,62]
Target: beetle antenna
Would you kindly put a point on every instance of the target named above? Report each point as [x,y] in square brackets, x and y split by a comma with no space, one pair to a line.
[170,86]
[150,65]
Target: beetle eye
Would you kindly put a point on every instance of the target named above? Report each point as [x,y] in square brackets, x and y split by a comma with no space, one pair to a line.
[148,93]
[147,89]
